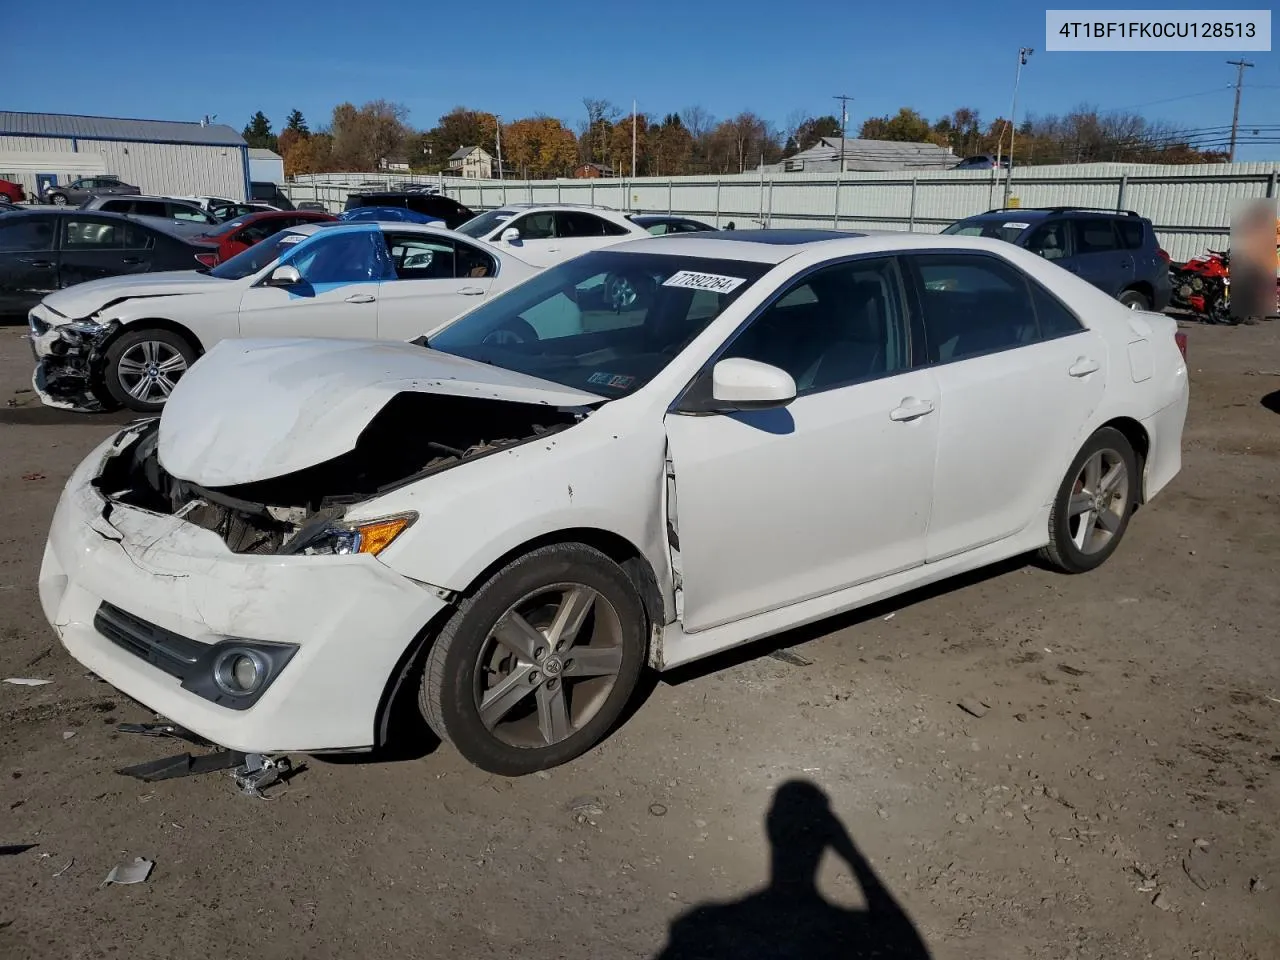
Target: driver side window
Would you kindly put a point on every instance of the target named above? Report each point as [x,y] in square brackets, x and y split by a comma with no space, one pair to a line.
[342,258]
[536,226]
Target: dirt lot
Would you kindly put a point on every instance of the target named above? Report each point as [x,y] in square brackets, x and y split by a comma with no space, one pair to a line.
[1117,800]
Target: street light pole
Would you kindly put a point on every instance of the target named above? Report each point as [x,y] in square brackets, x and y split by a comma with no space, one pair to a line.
[844,123]
[497,120]
[1023,53]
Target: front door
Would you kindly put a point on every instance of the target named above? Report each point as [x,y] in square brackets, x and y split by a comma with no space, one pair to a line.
[94,247]
[437,278]
[774,507]
[338,295]
[537,243]
[1098,255]
[1019,377]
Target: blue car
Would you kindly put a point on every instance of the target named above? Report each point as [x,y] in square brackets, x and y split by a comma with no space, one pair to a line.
[1115,251]
[384,214]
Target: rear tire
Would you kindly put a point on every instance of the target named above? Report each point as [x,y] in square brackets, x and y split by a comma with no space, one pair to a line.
[1135,300]
[143,366]
[1094,503]
[58,199]
[545,693]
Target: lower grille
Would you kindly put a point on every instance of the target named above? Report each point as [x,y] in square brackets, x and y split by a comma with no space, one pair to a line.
[164,649]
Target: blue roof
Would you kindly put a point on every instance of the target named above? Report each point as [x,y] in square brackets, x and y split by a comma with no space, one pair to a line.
[68,125]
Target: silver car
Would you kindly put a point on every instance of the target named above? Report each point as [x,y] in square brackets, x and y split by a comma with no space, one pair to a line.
[183,217]
[78,191]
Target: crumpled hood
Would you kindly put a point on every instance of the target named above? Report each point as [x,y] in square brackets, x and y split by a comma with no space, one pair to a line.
[254,410]
[84,299]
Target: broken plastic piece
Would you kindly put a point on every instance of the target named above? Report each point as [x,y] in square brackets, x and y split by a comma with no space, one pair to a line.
[26,681]
[791,657]
[163,730]
[135,872]
[182,765]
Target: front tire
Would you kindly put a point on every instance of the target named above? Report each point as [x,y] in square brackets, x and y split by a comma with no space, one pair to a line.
[143,366]
[537,665]
[1094,503]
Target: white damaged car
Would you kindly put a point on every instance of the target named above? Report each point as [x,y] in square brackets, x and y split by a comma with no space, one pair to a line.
[127,341]
[509,524]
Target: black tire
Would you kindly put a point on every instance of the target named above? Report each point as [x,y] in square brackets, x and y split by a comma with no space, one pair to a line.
[448,694]
[170,343]
[1135,300]
[58,199]
[1062,551]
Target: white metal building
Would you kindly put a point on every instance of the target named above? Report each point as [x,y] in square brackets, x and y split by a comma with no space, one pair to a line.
[265,166]
[162,157]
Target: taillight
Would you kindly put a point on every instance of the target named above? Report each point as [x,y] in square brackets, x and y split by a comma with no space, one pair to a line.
[207,259]
[1163,254]
[1180,338]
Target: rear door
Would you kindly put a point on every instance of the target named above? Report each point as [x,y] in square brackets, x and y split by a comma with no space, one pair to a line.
[580,232]
[1019,377]
[437,278]
[1098,255]
[338,295]
[28,262]
[93,247]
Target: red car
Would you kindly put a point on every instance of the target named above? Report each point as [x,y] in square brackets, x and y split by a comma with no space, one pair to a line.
[12,192]
[243,232]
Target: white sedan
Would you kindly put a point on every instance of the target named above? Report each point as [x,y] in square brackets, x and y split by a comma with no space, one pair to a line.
[127,341]
[544,234]
[788,425]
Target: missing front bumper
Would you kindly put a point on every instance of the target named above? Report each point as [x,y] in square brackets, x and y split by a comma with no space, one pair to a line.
[69,365]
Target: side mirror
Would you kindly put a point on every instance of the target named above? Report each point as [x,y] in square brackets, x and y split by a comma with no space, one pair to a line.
[284,276]
[751,385]
[510,235]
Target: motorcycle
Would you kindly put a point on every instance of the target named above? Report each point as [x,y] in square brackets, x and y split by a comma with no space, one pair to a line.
[1203,286]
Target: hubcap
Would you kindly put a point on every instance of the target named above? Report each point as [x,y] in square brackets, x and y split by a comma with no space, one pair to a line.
[1099,500]
[548,665]
[150,370]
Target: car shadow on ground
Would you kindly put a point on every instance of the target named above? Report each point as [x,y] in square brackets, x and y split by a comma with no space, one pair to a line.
[1272,401]
[789,917]
[802,635]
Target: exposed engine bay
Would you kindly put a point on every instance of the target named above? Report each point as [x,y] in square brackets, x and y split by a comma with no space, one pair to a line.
[413,436]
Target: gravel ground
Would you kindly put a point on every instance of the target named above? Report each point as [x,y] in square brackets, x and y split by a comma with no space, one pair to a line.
[1116,798]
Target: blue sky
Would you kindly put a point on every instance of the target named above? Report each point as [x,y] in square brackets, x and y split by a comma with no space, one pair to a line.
[520,58]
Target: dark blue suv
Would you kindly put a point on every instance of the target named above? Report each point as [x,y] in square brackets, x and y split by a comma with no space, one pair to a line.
[1115,251]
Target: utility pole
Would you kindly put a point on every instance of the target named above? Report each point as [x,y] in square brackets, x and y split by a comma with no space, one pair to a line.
[1023,53]
[844,123]
[498,123]
[1235,115]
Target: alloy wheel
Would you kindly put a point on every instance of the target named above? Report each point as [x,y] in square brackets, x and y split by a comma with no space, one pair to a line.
[1099,500]
[150,370]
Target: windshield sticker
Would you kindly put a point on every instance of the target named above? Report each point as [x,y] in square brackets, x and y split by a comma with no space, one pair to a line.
[611,380]
[1018,226]
[704,281]
[292,238]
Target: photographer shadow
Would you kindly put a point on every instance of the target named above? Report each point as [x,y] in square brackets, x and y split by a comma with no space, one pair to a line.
[789,917]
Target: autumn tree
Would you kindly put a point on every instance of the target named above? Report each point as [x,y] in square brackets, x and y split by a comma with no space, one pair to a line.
[257,132]
[539,147]
[620,144]
[670,148]
[311,154]
[738,144]
[364,136]
[596,134]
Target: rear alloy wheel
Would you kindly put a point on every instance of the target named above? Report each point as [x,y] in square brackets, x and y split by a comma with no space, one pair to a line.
[1092,509]
[144,366]
[58,199]
[537,665]
[1135,300]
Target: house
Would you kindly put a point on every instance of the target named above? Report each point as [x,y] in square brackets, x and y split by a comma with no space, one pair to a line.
[474,163]
[400,163]
[161,157]
[590,171]
[866,155]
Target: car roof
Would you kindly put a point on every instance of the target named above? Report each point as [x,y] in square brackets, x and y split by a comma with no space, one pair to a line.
[775,246]
[144,196]
[366,226]
[662,218]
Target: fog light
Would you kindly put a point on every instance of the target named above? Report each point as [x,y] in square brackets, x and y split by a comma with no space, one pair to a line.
[239,672]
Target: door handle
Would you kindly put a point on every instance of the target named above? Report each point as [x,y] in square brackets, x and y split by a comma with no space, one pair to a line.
[471,291]
[1083,367]
[130,260]
[911,409]
[35,263]
[361,298]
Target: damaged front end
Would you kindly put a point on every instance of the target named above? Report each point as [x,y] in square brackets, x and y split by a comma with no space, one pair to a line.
[69,361]
[302,512]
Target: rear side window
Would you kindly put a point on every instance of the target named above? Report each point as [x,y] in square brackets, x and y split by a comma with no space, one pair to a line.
[136,238]
[1131,233]
[1054,319]
[973,305]
[92,235]
[576,224]
[151,208]
[26,234]
[1095,235]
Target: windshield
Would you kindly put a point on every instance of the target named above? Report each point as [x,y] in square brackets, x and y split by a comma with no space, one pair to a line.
[605,322]
[480,227]
[1007,230]
[248,262]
